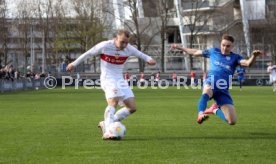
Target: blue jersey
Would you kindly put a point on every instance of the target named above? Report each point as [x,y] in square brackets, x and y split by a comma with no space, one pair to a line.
[222,67]
[240,72]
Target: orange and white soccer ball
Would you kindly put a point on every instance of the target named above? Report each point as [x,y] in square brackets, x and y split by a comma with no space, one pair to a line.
[117,129]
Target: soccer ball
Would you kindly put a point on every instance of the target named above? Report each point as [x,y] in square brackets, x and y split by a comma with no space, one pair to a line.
[117,130]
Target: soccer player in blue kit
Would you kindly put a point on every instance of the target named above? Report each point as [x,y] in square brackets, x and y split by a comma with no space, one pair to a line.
[223,63]
[241,72]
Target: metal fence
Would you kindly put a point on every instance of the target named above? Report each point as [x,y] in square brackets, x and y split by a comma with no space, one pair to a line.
[174,61]
[21,84]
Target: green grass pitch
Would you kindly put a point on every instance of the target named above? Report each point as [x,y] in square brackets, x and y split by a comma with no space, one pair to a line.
[60,126]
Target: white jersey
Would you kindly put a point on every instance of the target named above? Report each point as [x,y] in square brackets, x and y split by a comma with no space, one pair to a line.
[112,58]
[272,72]
[271,69]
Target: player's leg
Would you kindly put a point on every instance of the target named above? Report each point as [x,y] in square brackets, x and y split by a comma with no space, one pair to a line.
[112,94]
[229,112]
[274,83]
[240,84]
[143,83]
[108,115]
[207,93]
[192,81]
[216,110]
[110,110]
[226,110]
[212,110]
[129,108]
[129,105]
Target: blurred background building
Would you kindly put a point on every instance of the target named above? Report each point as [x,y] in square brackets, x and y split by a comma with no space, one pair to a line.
[46,35]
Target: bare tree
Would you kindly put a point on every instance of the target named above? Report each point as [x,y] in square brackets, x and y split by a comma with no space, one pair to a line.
[142,35]
[90,26]
[196,20]
[265,37]
[163,12]
[267,33]
[45,15]
[140,27]
[80,31]
[271,33]
[24,25]
[3,32]
[60,36]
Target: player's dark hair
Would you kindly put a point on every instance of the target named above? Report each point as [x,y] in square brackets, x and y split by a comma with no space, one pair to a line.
[228,37]
[123,32]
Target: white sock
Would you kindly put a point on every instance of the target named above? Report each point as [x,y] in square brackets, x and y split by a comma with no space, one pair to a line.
[215,111]
[121,114]
[109,115]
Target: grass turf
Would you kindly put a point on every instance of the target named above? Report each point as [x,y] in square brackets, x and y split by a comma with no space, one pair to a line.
[60,126]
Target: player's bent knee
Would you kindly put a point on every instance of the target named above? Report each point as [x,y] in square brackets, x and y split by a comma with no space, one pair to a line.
[232,122]
[113,104]
[132,110]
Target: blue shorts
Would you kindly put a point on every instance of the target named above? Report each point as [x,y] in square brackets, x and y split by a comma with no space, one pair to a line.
[220,94]
[240,78]
[222,97]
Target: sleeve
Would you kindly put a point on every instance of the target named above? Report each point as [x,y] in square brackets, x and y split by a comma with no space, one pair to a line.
[96,50]
[268,69]
[139,54]
[239,58]
[206,53]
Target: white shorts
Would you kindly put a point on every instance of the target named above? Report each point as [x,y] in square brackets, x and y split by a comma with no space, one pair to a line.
[116,88]
[273,78]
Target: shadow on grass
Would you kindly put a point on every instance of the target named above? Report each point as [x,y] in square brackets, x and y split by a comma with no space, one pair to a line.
[242,136]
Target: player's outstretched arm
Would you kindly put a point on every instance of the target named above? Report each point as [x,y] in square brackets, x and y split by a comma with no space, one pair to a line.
[252,59]
[141,55]
[191,51]
[92,52]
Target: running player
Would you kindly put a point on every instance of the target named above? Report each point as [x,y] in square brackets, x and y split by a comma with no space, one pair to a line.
[271,69]
[113,54]
[192,78]
[157,78]
[174,78]
[142,79]
[241,72]
[223,63]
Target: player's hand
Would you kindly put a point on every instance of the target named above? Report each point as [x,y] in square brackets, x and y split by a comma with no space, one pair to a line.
[70,67]
[151,62]
[257,53]
[174,46]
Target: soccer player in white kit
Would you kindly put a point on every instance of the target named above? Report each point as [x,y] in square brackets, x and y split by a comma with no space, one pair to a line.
[113,55]
[271,69]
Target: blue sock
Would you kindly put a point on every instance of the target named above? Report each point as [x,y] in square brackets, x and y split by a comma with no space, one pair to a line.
[202,103]
[221,115]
